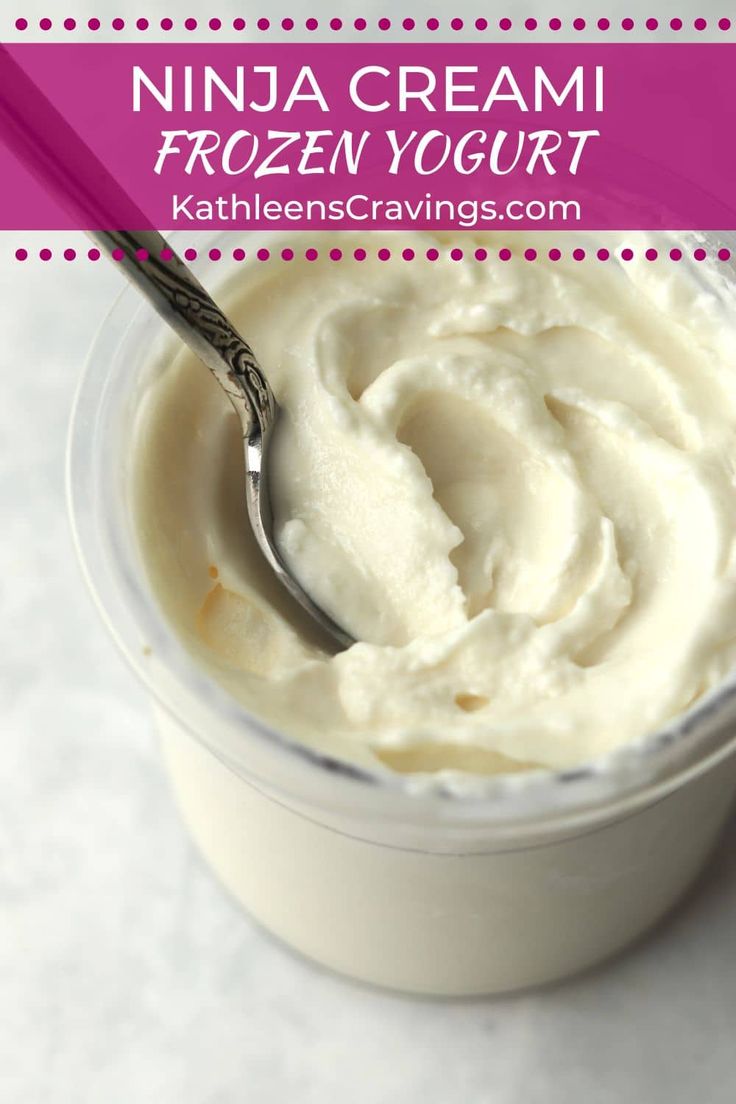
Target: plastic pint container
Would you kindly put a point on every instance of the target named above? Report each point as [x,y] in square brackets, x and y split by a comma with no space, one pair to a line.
[536,877]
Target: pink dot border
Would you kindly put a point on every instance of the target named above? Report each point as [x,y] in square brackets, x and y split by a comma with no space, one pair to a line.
[408,25]
[360,253]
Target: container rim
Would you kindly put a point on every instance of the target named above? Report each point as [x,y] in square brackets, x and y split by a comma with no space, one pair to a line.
[636,774]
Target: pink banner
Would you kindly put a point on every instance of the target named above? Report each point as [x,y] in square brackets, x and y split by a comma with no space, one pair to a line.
[389,136]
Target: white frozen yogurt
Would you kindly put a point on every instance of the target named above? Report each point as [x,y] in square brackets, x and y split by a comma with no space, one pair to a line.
[513,482]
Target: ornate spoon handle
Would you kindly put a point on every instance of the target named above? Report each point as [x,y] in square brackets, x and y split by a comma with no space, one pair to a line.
[58,156]
[178,296]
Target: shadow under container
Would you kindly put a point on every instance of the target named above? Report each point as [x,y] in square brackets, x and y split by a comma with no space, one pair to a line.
[540,876]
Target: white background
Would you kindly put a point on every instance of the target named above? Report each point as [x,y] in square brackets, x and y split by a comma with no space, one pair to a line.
[126,975]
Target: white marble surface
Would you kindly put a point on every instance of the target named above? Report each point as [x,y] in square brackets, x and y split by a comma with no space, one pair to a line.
[128,977]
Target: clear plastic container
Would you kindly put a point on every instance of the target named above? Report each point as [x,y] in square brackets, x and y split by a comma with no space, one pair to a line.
[541,875]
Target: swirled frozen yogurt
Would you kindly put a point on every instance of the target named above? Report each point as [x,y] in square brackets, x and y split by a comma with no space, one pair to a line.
[513,483]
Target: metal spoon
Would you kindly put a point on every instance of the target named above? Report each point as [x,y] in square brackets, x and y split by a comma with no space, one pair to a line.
[60,159]
[172,288]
